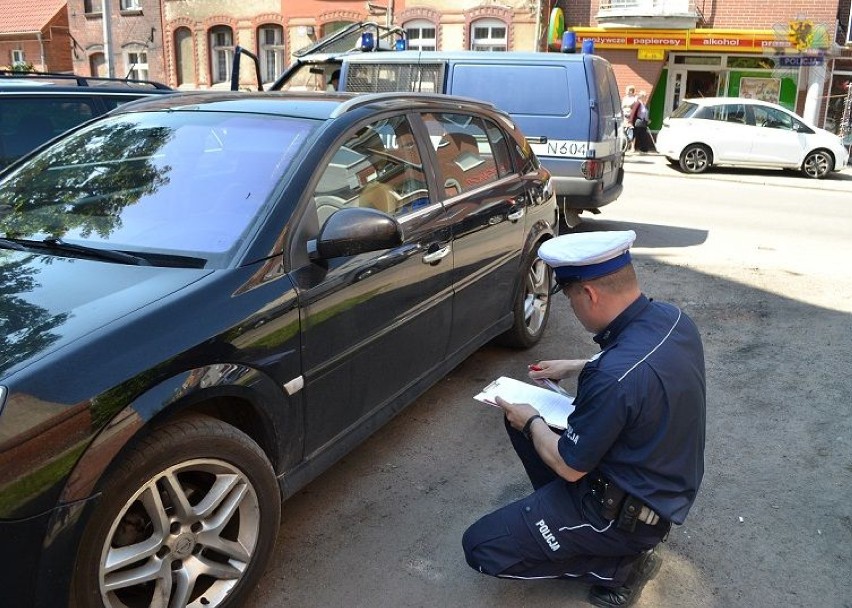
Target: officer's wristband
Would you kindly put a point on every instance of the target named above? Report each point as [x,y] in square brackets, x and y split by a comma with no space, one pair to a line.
[527,430]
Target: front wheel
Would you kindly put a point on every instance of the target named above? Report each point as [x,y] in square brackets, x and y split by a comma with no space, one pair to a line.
[189,518]
[695,158]
[817,164]
[532,305]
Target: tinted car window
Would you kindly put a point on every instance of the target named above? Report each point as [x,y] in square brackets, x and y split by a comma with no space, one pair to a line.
[378,166]
[772,118]
[731,112]
[135,182]
[112,103]
[500,146]
[734,112]
[606,105]
[28,122]
[685,110]
[466,159]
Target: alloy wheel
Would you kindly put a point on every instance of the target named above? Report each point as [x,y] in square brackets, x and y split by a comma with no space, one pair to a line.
[817,165]
[536,296]
[184,539]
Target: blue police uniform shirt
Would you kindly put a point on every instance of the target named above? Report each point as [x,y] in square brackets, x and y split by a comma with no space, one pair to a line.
[640,408]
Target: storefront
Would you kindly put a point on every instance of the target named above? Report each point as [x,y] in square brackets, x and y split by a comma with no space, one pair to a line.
[727,63]
[838,107]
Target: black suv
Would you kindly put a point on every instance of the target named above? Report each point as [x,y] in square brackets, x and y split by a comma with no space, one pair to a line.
[37,106]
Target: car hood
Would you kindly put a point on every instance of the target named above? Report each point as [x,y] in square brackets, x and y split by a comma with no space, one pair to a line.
[49,302]
[824,133]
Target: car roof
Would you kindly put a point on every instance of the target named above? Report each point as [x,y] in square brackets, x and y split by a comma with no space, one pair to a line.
[320,106]
[710,101]
[53,81]
[433,56]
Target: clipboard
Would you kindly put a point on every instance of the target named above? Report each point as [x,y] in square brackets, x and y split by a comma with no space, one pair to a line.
[554,406]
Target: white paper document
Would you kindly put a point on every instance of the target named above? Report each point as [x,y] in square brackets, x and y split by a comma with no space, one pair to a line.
[555,407]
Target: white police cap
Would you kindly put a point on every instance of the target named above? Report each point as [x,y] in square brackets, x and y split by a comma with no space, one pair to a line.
[587,255]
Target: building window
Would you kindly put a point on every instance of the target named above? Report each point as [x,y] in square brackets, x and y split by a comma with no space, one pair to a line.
[131,5]
[333,26]
[221,53]
[137,64]
[488,35]
[97,65]
[92,7]
[270,40]
[184,57]
[18,57]
[838,117]
[421,35]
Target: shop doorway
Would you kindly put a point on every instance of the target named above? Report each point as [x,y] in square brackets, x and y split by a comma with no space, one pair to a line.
[685,82]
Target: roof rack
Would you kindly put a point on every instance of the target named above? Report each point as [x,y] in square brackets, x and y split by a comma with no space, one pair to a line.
[82,81]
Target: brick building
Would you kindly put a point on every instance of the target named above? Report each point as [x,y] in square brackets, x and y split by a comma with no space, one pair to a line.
[199,36]
[134,38]
[797,52]
[786,52]
[35,32]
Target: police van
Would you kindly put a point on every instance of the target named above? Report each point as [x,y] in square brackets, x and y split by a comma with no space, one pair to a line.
[567,105]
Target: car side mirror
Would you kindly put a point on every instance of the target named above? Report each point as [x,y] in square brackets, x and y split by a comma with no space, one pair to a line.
[355,230]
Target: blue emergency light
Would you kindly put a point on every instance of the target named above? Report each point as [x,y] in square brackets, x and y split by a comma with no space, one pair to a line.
[368,41]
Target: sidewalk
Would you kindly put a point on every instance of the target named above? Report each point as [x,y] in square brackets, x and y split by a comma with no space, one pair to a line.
[656,164]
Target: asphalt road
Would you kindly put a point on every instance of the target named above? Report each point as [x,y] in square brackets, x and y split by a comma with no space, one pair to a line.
[760,261]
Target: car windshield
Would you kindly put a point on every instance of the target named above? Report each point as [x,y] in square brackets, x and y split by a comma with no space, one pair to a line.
[180,183]
[684,110]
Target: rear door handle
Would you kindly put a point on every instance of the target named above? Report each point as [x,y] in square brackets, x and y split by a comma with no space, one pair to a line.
[433,257]
[515,216]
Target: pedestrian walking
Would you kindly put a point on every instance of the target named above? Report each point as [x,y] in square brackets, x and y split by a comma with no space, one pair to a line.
[638,119]
[628,100]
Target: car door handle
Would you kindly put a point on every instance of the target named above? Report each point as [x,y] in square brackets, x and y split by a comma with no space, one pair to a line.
[515,216]
[433,257]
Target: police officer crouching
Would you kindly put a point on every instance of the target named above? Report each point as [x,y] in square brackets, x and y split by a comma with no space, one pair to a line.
[629,464]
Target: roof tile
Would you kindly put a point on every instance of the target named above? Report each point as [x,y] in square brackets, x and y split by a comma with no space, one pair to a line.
[27,15]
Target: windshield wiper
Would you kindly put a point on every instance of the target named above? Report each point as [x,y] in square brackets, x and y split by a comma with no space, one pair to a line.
[58,244]
[104,254]
[10,244]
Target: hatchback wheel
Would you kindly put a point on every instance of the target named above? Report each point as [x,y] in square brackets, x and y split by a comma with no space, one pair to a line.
[817,164]
[532,305]
[189,518]
[695,158]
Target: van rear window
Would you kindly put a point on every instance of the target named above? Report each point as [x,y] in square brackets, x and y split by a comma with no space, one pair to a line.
[390,77]
[540,90]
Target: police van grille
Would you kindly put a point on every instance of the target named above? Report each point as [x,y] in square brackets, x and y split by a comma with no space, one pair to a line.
[389,77]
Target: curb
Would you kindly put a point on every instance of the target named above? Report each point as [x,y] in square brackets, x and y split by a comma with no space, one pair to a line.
[653,163]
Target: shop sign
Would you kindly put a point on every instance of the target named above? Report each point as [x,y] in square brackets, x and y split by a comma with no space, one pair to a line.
[632,39]
[651,54]
[750,42]
[684,40]
[799,62]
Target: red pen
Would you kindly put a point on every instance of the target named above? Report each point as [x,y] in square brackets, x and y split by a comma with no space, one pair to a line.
[535,368]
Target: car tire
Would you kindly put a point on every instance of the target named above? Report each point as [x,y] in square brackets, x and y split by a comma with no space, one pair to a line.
[818,164]
[191,513]
[695,158]
[531,308]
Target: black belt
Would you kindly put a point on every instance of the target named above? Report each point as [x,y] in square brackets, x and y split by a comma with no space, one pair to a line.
[628,511]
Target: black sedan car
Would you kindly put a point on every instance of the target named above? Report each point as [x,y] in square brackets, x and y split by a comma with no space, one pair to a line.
[208,299]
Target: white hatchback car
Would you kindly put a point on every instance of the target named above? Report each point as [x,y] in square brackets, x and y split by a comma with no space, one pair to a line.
[747,133]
